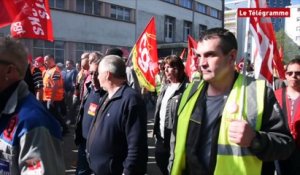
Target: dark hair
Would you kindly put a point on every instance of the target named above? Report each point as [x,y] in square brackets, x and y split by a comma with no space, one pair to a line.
[296,60]
[175,62]
[71,61]
[115,51]
[228,40]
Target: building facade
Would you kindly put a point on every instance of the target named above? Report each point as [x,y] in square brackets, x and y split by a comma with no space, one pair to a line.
[89,25]
[292,24]
[236,25]
[278,23]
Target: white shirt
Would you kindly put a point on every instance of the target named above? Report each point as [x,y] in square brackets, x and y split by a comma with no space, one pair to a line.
[163,107]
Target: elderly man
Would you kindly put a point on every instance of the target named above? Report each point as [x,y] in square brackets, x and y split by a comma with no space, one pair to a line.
[87,112]
[117,139]
[30,138]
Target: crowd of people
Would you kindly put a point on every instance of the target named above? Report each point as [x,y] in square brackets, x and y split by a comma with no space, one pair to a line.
[222,122]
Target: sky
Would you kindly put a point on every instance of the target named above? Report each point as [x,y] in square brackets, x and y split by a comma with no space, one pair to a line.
[244,3]
[295,2]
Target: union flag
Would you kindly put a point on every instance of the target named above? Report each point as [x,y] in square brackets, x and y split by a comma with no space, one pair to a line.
[28,18]
[144,57]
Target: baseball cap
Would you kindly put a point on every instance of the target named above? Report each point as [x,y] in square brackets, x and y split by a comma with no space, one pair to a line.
[39,59]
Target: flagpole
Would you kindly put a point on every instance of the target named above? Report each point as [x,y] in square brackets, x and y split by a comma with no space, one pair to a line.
[246,57]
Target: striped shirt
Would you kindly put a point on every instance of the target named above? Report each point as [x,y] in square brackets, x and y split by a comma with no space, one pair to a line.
[37,78]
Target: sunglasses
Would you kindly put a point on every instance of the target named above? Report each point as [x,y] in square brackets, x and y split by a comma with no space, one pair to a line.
[290,73]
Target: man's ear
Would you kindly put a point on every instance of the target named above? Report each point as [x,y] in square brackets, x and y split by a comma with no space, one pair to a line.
[108,75]
[232,56]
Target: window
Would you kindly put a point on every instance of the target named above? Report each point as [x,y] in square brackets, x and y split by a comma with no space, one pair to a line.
[83,47]
[214,12]
[298,9]
[201,8]
[297,38]
[88,4]
[92,7]
[298,19]
[170,1]
[298,28]
[60,4]
[187,29]
[202,28]
[97,8]
[169,28]
[186,3]
[120,13]
[42,48]
[80,6]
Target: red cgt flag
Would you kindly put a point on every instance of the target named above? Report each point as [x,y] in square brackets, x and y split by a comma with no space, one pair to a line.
[144,57]
[191,64]
[267,55]
[28,18]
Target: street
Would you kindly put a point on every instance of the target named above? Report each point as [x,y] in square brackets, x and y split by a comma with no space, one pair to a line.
[70,150]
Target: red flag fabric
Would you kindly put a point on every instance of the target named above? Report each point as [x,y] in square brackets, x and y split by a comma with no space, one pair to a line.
[144,57]
[28,18]
[281,53]
[267,56]
[182,54]
[191,64]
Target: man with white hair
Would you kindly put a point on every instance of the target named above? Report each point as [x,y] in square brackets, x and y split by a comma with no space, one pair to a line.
[117,139]
[30,138]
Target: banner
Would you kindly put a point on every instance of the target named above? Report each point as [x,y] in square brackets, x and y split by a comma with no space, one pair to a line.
[144,57]
[266,53]
[28,18]
[191,64]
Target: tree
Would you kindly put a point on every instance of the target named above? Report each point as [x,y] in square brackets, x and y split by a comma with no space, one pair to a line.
[290,48]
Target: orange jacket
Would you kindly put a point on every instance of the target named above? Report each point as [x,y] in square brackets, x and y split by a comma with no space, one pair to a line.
[49,85]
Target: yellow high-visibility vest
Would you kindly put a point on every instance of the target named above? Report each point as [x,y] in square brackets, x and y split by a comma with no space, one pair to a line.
[231,158]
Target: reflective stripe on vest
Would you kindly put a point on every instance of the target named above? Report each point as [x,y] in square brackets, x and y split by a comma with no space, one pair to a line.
[231,158]
[48,85]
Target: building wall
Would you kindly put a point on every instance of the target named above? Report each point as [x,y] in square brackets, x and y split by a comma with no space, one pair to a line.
[89,29]
[75,32]
[278,23]
[237,26]
[292,24]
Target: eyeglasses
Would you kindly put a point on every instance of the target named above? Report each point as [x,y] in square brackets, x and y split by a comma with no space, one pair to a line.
[290,73]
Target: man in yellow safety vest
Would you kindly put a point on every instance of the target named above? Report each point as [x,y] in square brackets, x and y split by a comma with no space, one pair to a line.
[228,123]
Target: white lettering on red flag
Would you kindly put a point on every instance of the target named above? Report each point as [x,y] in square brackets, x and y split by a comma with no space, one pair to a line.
[144,57]
[28,18]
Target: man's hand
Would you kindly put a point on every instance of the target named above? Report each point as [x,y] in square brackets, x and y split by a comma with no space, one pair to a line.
[241,133]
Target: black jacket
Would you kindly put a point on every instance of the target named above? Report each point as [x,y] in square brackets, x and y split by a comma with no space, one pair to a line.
[274,137]
[117,140]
